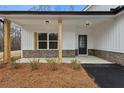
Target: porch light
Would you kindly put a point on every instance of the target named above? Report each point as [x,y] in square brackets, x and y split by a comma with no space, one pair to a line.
[47,22]
[87,24]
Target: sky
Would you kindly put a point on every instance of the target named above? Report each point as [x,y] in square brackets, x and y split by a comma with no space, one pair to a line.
[27,7]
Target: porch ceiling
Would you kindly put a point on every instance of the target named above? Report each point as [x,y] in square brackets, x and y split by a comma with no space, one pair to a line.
[37,22]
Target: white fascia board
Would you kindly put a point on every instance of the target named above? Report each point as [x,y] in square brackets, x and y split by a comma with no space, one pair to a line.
[87,7]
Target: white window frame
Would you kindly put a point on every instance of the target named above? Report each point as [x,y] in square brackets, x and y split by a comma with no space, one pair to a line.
[48,41]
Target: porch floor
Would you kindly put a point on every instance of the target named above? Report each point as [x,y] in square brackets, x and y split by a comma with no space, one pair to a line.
[82,59]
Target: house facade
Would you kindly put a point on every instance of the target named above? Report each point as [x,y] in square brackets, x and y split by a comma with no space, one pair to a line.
[97,31]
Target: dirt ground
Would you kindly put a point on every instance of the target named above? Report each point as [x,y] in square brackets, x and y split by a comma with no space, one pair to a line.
[43,77]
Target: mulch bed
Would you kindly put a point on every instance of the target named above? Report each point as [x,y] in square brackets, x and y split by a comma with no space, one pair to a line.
[44,77]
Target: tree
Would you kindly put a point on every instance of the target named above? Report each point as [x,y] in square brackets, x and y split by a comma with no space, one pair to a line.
[40,8]
[49,8]
[1,37]
[15,37]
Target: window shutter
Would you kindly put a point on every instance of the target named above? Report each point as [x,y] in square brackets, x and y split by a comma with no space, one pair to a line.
[35,40]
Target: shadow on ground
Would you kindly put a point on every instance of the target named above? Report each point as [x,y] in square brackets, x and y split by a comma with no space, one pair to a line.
[106,75]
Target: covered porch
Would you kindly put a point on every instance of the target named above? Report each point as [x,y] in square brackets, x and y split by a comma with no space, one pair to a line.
[68,27]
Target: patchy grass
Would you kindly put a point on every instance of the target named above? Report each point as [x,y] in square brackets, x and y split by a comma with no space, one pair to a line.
[53,64]
[75,64]
[34,64]
[65,76]
[13,63]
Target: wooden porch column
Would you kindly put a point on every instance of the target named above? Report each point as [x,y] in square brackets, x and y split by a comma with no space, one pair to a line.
[35,40]
[6,31]
[59,41]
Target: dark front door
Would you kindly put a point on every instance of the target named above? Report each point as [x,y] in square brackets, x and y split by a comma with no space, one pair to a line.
[82,44]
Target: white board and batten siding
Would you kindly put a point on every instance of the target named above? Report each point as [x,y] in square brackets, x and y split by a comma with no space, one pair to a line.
[109,36]
[68,40]
[27,40]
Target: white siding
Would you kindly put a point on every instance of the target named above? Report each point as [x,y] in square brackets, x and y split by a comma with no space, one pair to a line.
[69,38]
[27,40]
[101,7]
[110,35]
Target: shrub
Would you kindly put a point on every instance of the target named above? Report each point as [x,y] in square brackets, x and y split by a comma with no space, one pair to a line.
[53,64]
[14,58]
[34,64]
[75,64]
[14,64]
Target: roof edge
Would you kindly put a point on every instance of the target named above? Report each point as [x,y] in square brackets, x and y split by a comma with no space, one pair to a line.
[118,9]
[111,12]
[87,7]
[57,12]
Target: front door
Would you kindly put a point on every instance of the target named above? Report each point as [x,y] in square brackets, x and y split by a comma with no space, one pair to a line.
[82,44]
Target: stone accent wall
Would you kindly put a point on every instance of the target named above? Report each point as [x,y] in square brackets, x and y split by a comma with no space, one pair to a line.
[91,52]
[76,52]
[47,53]
[115,57]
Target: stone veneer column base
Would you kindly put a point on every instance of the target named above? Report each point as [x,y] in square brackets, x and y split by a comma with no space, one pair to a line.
[114,57]
[47,53]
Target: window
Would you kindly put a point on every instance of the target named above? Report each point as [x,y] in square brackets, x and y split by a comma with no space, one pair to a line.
[42,40]
[53,39]
[47,40]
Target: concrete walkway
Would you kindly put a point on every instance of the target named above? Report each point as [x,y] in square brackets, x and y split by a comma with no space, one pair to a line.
[82,59]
